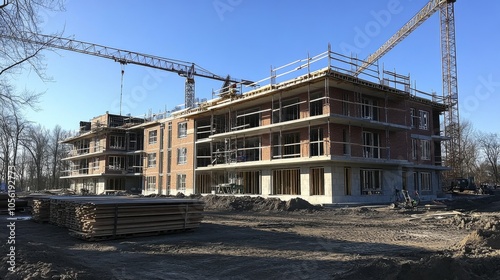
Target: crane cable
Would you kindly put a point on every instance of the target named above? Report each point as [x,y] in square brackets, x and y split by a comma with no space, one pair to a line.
[121,87]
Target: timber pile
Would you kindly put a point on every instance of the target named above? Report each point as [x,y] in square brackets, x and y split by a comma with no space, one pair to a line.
[95,218]
[40,209]
[58,212]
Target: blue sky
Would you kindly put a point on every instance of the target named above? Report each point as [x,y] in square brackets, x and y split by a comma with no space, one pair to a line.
[245,38]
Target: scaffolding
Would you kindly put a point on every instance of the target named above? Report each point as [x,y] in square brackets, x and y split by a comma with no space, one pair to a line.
[344,117]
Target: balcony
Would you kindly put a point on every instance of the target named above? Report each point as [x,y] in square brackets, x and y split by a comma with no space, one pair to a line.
[83,152]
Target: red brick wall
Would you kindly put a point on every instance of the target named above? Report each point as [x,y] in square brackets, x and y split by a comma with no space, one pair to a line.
[266,146]
[185,142]
[266,115]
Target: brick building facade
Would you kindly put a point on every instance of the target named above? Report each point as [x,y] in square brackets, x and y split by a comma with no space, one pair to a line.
[326,137]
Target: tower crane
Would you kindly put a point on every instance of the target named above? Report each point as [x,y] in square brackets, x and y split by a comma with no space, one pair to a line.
[449,71]
[185,69]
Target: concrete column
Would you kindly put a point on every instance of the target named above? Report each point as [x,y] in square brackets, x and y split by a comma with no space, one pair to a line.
[304,181]
[265,180]
[328,181]
[409,180]
[338,180]
[392,179]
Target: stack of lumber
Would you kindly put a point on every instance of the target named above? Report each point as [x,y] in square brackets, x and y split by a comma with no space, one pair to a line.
[104,217]
[40,209]
[58,212]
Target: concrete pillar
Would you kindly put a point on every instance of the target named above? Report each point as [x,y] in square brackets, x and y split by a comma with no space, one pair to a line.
[328,181]
[338,180]
[355,181]
[392,178]
[265,179]
[304,181]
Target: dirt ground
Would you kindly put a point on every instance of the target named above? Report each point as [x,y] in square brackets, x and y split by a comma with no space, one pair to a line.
[254,238]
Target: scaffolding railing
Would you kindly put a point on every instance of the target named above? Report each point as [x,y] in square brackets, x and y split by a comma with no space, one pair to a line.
[86,150]
[303,68]
[77,171]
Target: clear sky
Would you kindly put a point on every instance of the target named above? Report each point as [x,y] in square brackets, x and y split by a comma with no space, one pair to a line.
[245,38]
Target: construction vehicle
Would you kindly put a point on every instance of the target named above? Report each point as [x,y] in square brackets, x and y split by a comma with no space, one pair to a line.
[402,199]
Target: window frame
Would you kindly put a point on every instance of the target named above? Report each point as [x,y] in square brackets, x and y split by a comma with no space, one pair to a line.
[116,159]
[181,182]
[117,142]
[95,163]
[425,149]
[151,160]
[285,110]
[424,120]
[414,148]
[369,109]
[371,149]
[182,130]
[285,145]
[150,183]
[425,181]
[371,181]
[412,117]
[181,155]
[316,142]
[153,137]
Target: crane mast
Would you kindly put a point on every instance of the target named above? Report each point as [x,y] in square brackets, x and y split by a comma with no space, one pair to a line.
[185,69]
[450,89]
[449,71]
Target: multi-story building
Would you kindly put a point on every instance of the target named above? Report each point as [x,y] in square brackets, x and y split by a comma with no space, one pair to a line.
[326,136]
[106,155]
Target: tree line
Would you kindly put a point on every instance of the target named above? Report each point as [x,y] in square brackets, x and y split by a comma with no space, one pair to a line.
[480,154]
[35,151]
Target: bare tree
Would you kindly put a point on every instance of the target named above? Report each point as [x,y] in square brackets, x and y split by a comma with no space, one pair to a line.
[12,125]
[470,150]
[20,19]
[35,141]
[490,146]
[57,152]
[467,164]
[22,168]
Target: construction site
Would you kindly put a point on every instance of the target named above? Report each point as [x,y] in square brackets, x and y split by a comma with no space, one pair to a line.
[330,168]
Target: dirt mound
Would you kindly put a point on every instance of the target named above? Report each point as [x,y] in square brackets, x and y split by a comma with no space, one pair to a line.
[247,203]
[479,241]
[476,222]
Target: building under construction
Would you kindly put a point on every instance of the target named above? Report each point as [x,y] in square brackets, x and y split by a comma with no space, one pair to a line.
[324,135]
